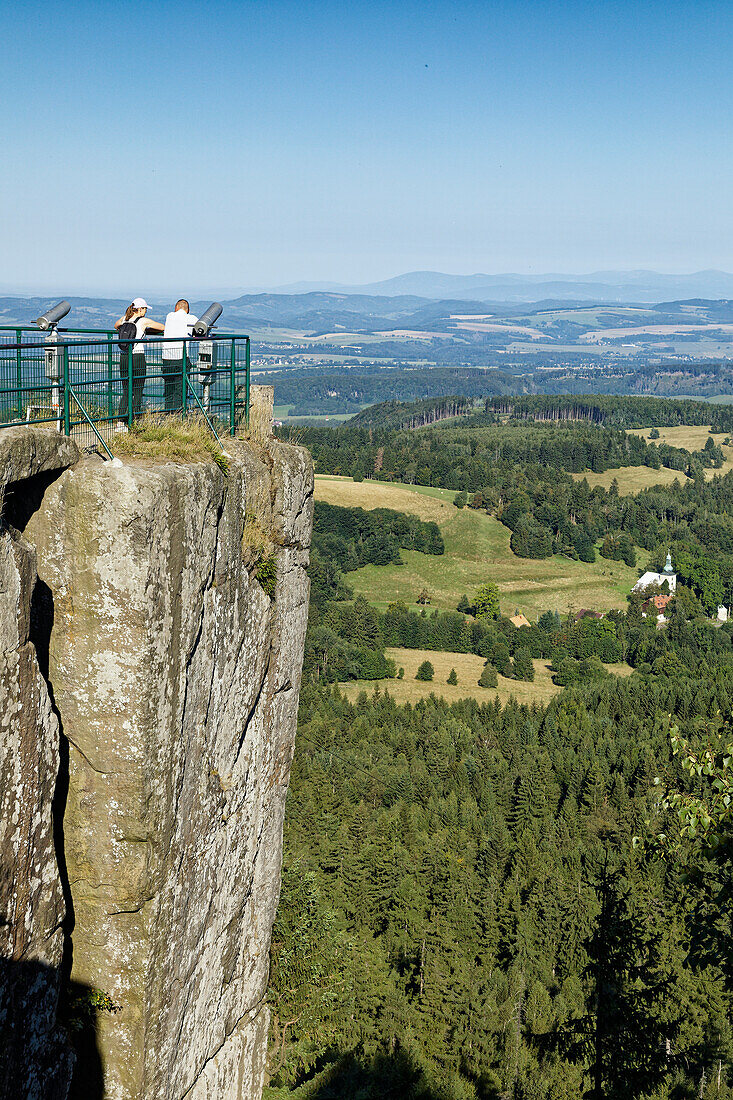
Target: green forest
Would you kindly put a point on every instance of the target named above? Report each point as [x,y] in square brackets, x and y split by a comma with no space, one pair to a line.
[382,372]
[518,902]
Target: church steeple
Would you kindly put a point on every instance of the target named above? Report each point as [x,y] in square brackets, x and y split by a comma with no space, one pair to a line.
[668,564]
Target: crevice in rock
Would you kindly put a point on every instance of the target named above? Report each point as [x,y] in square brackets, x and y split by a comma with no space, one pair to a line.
[251,1012]
[86,759]
[41,626]
[23,498]
[253,708]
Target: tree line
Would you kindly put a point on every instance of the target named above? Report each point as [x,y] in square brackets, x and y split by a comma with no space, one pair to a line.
[465,456]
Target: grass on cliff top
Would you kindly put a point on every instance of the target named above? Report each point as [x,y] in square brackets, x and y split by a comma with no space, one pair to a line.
[170,438]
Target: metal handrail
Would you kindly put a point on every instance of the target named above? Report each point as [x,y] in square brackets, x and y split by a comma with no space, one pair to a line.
[42,333]
[91,423]
[40,378]
[147,338]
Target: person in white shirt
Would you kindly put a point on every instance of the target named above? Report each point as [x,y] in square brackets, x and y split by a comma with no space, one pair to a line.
[179,323]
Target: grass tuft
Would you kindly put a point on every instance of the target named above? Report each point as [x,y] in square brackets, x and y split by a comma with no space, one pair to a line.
[171,438]
[266,574]
[258,539]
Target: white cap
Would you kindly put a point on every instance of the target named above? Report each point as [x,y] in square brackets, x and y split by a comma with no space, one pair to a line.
[140,303]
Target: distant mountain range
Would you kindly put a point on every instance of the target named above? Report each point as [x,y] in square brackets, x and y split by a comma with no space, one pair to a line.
[560,316]
[599,286]
[640,287]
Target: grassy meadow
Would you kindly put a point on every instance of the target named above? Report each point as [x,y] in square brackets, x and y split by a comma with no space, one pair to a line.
[476,550]
[468,669]
[693,437]
[631,479]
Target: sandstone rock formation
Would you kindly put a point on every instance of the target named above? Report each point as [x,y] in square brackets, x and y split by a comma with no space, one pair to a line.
[179,603]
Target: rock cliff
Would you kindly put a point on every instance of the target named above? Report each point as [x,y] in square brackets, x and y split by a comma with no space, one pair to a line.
[35,1056]
[176,597]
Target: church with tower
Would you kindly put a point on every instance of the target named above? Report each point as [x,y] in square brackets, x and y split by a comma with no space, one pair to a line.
[650,579]
[658,602]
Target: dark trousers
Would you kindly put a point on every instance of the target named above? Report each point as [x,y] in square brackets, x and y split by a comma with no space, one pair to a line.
[138,382]
[173,383]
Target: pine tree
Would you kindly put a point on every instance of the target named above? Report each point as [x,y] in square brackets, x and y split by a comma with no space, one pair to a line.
[523,668]
[486,602]
[488,678]
[625,1034]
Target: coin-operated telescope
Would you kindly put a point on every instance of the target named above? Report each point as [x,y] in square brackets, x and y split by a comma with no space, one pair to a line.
[207,320]
[52,316]
[48,322]
[207,349]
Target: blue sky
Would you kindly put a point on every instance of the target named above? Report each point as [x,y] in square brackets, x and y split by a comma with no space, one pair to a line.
[258,143]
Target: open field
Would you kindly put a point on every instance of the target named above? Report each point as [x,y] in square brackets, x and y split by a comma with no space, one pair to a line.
[654,330]
[468,669]
[694,438]
[476,550]
[631,479]
[691,436]
[418,500]
[282,412]
[476,325]
[362,339]
[593,315]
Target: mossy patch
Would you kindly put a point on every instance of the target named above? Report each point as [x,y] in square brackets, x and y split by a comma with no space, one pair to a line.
[259,543]
[266,574]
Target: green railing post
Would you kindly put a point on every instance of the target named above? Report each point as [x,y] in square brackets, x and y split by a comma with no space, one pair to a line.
[110,391]
[232,391]
[130,346]
[246,391]
[19,370]
[184,379]
[67,411]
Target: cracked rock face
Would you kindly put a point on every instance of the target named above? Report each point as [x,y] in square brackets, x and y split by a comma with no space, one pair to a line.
[176,678]
[35,1057]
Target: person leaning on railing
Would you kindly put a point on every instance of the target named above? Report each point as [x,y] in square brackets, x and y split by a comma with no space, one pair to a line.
[135,313]
[178,323]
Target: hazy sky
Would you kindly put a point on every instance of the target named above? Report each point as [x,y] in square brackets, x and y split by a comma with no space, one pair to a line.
[150,146]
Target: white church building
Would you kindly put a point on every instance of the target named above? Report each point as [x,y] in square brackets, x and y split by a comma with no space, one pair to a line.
[646,580]
[650,579]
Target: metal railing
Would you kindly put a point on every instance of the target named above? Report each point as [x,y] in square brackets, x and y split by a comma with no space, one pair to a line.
[81,386]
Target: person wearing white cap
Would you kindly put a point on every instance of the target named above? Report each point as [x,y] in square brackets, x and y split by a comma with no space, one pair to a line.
[134,315]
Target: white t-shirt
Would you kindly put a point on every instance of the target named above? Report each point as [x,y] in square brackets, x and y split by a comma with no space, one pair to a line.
[177,323]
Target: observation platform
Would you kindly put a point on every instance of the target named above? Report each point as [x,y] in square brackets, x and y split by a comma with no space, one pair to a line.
[88,384]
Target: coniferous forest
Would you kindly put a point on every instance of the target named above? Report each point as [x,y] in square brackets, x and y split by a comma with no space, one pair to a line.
[518,902]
